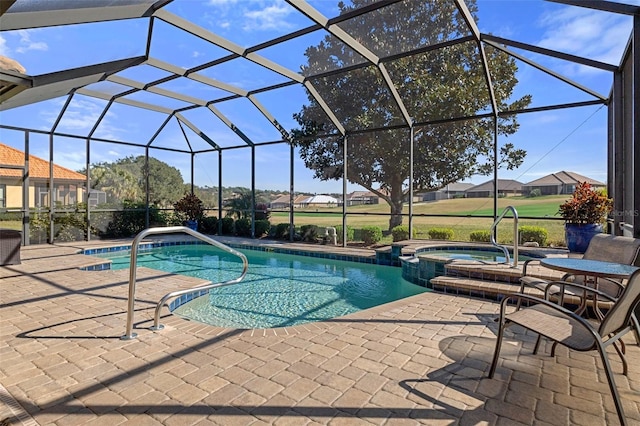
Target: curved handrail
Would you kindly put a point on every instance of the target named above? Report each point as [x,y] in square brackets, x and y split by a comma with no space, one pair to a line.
[132,270]
[515,236]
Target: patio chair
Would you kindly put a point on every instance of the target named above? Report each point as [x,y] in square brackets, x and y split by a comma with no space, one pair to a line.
[573,331]
[608,248]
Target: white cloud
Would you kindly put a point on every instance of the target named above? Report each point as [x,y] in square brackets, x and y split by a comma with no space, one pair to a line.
[588,33]
[252,15]
[81,116]
[271,17]
[27,44]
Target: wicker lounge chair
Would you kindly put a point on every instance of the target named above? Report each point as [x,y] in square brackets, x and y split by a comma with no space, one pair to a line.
[571,330]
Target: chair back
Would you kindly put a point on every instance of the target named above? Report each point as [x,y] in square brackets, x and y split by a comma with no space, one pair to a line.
[611,248]
[618,317]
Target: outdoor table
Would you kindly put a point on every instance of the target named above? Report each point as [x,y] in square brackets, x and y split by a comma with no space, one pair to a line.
[590,268]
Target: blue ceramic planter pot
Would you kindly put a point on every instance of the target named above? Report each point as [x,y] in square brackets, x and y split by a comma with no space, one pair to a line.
[191,224]
[579,236]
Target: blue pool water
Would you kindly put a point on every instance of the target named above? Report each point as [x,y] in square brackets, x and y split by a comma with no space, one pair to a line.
[472,254]
[279,290]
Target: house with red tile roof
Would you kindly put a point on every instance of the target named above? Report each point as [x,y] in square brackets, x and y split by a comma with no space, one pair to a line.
[69,185]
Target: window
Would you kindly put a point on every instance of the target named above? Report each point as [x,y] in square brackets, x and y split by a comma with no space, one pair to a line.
[3,195]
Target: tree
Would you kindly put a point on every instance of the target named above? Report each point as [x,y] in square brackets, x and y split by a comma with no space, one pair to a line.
[434,85]
[125,179]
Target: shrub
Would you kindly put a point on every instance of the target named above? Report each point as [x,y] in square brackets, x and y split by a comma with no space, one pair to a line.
[371,234]
[440,233]
[190,206]
[350,233]
[262,212]
[227,225]
[309,233]
[401,232]
[262,227]
[587,205]
[282,231]
[483,236]
[535,193]
[533,233]
[243,227]
[208,225]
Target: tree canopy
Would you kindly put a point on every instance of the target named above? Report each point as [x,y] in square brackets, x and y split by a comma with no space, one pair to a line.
[440,84]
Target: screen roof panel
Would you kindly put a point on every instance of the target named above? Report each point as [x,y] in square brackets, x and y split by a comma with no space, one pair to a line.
[451,73]
[37,13]
[244,74]
[406,26]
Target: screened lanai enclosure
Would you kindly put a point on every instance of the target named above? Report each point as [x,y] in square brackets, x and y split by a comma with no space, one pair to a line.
[342,114]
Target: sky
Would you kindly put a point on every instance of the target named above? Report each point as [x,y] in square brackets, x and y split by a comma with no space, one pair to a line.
[571,140]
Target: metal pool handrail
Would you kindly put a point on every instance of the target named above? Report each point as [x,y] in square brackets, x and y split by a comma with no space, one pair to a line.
[132,273]
[515,236]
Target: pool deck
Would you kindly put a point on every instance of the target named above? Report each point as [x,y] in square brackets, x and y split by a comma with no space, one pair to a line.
[420,360]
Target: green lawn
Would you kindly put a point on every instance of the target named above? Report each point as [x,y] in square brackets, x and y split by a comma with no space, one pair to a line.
[469,208]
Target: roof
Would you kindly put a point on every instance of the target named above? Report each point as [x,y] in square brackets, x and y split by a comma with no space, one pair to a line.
[320,199]
[503,185]
[561,178]
[281,199]
[153,86]
[456,186]
[361,194]
[301,199]
[38,168]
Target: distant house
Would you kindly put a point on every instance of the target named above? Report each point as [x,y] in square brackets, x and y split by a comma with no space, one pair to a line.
[319,201]
[506,187]
[281,202]
[358,198]
[69,186]
[559,183]
[453,190]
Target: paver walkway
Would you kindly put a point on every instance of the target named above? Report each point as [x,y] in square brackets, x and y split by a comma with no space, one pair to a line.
[421,360]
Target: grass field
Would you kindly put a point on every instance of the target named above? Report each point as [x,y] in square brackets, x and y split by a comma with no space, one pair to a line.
[466,217]
[544,208]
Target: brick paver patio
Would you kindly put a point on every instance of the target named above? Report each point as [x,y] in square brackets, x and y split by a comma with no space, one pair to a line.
[421,360]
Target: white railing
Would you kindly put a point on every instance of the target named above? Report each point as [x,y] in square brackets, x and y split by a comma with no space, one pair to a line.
[515,236]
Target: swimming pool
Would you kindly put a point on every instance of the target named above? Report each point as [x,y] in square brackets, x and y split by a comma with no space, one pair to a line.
[280,290]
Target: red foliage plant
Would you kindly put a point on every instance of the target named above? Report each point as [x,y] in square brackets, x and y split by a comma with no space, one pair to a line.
[587,205]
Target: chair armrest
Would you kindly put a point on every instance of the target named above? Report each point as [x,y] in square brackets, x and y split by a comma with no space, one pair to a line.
[563,284]
[519,296]
[526,263]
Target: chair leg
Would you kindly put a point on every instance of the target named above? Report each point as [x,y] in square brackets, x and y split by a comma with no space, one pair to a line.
[537,346]
[636,327]
[612,385]
[496,353]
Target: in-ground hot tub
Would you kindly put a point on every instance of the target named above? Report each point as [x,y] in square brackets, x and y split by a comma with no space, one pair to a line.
[429,262]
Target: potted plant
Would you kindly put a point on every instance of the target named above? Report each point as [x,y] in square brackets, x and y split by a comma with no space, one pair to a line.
[191,210]
[584,214]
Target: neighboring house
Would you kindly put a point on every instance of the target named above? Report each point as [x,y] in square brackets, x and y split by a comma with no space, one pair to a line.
[506,187]
[358,198]
[453,190]
[281,202]
[299,201]
[319,201]
[69,185]
[559,183]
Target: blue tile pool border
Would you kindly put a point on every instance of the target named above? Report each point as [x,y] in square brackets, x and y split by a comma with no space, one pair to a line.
[265,248]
